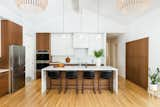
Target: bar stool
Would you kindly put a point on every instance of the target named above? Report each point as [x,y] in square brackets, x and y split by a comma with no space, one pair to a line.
[106,75]
[88,75]
[55,75]
[71,75]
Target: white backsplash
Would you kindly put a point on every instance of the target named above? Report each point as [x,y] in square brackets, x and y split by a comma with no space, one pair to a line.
[80,56]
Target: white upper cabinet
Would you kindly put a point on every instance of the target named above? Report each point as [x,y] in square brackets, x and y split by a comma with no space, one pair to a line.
[96,42]
[89,21]
[62,45]
[71,17]
[53,22]
[58,12]
[70,20]
[89,16]
[80,41]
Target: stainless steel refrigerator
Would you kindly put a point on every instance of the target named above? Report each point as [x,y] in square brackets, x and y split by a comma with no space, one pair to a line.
[17,67]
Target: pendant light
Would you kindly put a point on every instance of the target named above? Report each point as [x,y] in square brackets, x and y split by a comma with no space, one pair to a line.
[132,6]
[32,5]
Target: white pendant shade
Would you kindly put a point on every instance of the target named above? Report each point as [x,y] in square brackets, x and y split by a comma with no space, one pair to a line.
[32,5]
[133,6]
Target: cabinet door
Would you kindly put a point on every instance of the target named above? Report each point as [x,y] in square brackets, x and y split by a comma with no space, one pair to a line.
[59,15]
[4,43]
[43,41]
[89,16]
[15,33]
[137,62]
[11,34]
[71,17]
[96,42]
[80,41]
[89,21]
[62,44]
[3,83]
[0,41]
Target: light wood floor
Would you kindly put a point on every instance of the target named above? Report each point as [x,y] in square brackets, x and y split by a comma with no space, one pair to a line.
[129,95]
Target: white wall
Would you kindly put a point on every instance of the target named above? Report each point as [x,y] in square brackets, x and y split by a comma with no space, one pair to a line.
[29,41]
[7,14]
[146,26]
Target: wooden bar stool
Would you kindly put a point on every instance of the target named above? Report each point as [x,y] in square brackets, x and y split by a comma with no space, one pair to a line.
[71,75]
[88,75]
[55,75]
[106,75]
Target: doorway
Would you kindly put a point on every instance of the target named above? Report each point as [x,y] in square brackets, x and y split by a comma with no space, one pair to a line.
[112,49]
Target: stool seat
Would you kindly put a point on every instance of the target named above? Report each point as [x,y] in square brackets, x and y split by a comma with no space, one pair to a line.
[71,74]
[106,74]
[88,75]
[54,74]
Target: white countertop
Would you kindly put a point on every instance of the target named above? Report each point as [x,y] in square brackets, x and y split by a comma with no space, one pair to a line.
[81,68]
[4,70]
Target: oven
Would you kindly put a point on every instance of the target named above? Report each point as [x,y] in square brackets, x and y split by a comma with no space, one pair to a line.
[42,59]
[42,55]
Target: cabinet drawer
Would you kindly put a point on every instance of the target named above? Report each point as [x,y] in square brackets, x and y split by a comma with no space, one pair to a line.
[4,83]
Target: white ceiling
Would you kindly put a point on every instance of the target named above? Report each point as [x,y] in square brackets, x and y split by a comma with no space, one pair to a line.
[107,8]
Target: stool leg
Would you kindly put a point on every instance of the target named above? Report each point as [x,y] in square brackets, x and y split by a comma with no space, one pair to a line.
[99,84]
[82,86]
[77,86]
[108,84]
[50,83]
[112,84]
[66,85]
[94,87]
[60,85]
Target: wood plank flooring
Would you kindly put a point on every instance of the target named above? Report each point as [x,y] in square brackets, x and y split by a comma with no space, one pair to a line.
[130,95]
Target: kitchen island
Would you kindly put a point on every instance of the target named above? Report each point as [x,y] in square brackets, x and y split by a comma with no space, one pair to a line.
[79,68]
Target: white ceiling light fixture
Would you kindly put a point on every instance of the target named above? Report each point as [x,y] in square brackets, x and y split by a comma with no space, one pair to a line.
[32,5]
[133,6]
